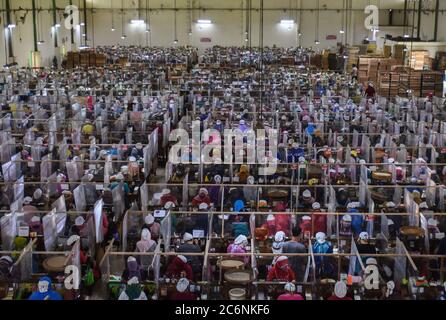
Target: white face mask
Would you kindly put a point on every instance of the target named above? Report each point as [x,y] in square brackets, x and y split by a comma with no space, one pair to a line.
[43,286]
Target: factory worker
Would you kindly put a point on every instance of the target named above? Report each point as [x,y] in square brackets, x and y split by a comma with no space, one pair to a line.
[357,219]
[45,291]
[182,293]
[340,292]
[133,291]
[307,199]
[180,268]
[319,220]
[188,246]
[239,246]
[146,244]
[290,293]
[281,271]
[324,266]
[153,226]
[202,197]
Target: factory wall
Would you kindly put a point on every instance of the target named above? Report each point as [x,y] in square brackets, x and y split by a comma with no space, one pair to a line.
[227,29]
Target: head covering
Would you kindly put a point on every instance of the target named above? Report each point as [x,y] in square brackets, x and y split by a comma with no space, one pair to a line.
[183,258]
[79,221]
[270,218]
[149,219]
[316,206]
[146,241]
[364,236]
[371,261]
[340,289]
[27,200]
[390,205]
[241,240]
[182,285]
[280,236]
[347,218]
[133,268]
[187,237]
[169,205]
[165,192]
[423,205]
[37,194]
[203,190]
[119,177]
[320,237]
[290,287]
[7,259]
[306,194]
[71,240]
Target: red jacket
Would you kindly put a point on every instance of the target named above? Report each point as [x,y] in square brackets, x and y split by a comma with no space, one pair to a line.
[281,272]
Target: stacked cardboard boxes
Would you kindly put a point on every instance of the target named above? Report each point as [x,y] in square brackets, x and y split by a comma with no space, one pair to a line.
[353,56]
[421,83]
[85,59]
[420,59]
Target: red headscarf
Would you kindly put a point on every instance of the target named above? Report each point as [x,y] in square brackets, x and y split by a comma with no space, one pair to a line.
[281,271]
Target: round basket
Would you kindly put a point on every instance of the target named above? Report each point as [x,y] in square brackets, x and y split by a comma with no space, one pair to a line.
[55,264]
[238,277]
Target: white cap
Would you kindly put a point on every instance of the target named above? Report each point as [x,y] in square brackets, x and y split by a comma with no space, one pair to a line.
[364,236]
[120,177]
[149,219]
[169,205]
[306,194]
[290,287]
[182,285]
[347,218]
[124,170]
[282,258]
[307,218]
[423,205]
[340,289]
[270,218]
[371,261]
[146,235]
[183,258]
[71,240]
[27,200]
[7,258]
[35,219]
[165,192]
[320,237]
[79,221]
[187,237]
[203,206]
[203,190]
[38,194]
[241,239]
[390,205]
[390,222]
[132,159]
[432,222]
[133,280]
[131,259]
[316,206]
[280,236]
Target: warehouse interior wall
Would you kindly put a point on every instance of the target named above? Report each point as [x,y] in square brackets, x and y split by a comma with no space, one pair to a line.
[227,28]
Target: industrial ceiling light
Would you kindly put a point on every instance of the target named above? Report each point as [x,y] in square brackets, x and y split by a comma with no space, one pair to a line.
[137,21]
[123,37]
[57,25]
[11,26]
[406,36]
[342,31]
[113,29]
[82,24]
[204,21]
[286,22]
[175,41]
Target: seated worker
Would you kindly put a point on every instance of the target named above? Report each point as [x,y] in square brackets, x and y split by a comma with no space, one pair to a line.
[239,246]
[281,271]
[133,291]
[290,293]
[132,270]
[243,174]
[278,222]
[307,199]
[45,291]
[202,197]
[182,294]
[146,244]
[168,197]
[153,226]
[189,247]
[180,268]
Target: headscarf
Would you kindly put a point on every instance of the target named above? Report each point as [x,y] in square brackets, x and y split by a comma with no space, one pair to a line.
[282,269]
[133,268]
[146,241]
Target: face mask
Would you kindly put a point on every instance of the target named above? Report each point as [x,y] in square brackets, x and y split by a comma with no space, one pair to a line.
[43,286]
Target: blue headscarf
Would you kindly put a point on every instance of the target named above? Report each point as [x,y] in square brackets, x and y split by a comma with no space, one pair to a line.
[49,295]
